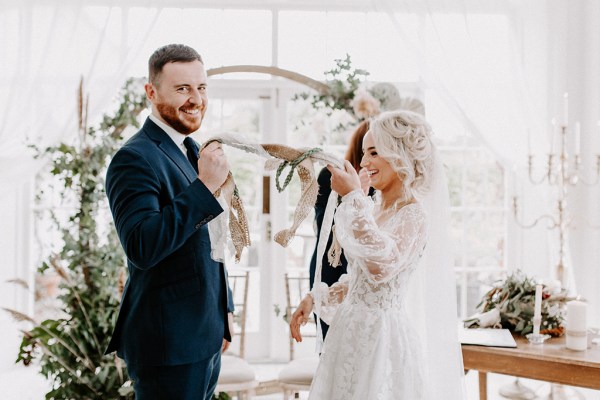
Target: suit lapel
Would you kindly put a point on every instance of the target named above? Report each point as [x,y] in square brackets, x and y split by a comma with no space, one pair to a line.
[167,146]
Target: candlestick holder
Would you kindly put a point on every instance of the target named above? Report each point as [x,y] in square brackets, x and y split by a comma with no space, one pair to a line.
[562,172]
[537,338]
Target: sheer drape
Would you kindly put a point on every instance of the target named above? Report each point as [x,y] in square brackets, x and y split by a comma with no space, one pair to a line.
[477,58]
[47,45]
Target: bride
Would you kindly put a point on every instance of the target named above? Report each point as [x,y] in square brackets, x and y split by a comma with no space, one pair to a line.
[375,348]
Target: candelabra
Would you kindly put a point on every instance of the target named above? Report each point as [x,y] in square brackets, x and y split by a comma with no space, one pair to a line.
[563,173]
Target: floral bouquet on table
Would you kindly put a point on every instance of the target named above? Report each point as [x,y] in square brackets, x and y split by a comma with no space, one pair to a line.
[510,305]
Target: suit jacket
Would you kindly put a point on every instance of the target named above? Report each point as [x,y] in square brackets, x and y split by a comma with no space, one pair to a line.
[175,302]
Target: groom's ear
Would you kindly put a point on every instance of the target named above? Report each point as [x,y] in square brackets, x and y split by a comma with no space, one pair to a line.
[150,91]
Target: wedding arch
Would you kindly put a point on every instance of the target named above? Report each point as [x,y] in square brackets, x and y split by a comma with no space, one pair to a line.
[275,71]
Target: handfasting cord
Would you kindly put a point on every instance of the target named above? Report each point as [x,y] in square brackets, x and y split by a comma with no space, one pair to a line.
[302,162]
[293,164]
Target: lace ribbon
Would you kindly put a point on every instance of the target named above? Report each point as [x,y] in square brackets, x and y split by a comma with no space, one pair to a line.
[278,156]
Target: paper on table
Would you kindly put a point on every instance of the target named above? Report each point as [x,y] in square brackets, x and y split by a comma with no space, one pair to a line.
[487,337]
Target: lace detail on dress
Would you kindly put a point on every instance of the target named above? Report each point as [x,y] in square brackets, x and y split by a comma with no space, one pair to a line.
[371,351]
[380,251]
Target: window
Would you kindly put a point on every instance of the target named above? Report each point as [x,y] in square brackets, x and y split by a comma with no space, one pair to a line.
[260,107]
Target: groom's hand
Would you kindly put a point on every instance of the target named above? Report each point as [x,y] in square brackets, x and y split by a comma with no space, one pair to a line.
[226,343]
[300,317]
[213,167]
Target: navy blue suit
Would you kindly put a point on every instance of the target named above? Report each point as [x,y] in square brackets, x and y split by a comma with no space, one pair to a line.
[174,307]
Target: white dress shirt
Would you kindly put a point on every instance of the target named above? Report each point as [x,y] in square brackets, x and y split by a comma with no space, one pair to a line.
[177,137]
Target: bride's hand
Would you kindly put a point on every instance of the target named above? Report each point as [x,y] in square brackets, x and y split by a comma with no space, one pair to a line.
[344,181]
[300,317]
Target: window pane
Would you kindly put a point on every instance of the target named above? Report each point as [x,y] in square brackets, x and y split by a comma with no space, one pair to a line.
[241,116]
[453,162]
[484,183]
[485,239]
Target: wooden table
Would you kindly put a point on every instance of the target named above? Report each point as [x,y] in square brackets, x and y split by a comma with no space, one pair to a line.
[551,362]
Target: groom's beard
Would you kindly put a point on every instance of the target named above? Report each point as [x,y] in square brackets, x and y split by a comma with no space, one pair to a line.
[178,119]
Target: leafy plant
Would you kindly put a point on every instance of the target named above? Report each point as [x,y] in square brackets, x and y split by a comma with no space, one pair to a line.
[91,265]
[343,82]
[514,300]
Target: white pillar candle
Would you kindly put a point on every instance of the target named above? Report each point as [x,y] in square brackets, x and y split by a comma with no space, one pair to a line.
[576,325]
[537,310]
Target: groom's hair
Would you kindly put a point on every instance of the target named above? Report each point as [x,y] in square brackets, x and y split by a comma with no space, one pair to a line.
[168,54]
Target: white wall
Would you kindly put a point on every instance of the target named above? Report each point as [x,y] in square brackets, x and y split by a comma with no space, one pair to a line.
[580,76]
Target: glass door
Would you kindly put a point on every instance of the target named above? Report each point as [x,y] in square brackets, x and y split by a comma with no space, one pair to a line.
[250,109]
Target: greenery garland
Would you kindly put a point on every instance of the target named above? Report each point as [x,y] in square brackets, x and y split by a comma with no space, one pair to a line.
[342,81]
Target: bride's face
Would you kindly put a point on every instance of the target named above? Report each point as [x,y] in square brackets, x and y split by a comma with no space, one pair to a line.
[381,174]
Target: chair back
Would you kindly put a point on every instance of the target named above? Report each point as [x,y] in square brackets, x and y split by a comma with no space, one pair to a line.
[238,283]
[297,285]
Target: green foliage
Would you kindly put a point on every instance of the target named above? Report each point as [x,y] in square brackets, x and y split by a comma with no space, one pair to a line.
[91,264]
[221,396]
[342,82]
[515,299]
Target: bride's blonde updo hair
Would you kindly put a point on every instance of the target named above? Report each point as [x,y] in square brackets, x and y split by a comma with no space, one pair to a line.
[403,138]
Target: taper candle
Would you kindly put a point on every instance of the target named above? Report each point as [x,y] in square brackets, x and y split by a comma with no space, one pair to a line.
[566,106]
[577,137]
[553,134]
[537,309]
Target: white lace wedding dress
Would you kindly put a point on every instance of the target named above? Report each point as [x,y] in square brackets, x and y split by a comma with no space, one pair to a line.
[371,351]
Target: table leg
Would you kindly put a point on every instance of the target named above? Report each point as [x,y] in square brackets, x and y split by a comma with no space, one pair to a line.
[482,385]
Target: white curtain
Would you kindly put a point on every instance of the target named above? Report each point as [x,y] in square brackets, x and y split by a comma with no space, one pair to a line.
[462,54]
[509,104]
[47,45]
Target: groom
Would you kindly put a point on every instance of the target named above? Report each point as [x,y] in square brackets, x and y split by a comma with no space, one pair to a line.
[174,321]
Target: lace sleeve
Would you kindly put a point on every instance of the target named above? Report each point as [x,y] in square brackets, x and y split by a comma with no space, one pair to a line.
[381,252]
[330,297]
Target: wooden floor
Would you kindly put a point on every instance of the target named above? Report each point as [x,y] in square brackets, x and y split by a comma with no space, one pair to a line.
[21,383]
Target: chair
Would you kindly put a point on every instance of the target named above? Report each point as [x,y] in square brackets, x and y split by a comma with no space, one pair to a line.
[297,375]
[296,287]
[237,376]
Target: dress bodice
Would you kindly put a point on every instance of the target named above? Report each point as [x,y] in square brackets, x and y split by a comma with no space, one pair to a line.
[381,257]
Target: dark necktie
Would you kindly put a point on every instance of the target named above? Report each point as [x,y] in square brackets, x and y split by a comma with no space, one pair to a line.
[192,152]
